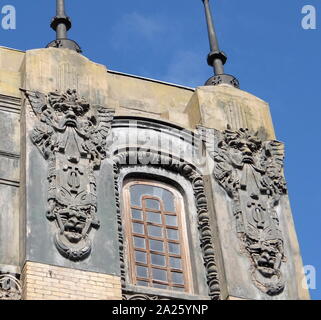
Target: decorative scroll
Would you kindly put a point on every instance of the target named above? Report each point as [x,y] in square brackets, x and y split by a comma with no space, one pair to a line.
[132,297]
[10,288]
[251,172]
[72,136]
[189,172]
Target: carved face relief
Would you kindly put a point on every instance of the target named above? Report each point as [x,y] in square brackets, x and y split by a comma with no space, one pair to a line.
[242,147]
[75,223]
[71,135]
[67,109]
[250,170]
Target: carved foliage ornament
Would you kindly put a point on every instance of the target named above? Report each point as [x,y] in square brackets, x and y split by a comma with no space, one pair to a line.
[10,288]
[72,136]
[251,172]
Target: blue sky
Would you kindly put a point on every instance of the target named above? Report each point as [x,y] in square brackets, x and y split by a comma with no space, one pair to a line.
[268,51]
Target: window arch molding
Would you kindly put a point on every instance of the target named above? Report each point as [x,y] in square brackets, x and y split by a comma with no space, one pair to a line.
[190,173]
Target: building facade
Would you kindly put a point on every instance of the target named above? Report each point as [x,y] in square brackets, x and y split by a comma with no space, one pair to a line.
[119,187]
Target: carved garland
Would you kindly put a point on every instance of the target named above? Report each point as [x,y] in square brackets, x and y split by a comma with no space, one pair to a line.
[251,172]
[189,172]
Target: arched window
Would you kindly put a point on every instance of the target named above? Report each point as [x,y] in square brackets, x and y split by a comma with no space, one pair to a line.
[156,236]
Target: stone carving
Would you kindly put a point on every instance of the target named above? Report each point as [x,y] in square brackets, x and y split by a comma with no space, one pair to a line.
[189,172]
[138,297]
[10,288]
[72,136]
[251,172]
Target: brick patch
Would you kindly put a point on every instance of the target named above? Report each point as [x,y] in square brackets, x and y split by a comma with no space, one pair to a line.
[46,282]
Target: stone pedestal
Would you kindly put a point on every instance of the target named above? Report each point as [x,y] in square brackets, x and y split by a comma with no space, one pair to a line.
[217,107]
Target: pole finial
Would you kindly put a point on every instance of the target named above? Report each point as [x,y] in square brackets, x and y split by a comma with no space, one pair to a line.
[61,23]
[216,58]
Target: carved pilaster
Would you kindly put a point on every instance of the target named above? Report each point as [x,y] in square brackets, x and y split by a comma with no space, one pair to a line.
[251,172]
[72,136]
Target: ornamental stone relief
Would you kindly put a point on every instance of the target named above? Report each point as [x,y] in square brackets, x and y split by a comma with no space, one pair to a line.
[141,297]
[72,136]
[251,172]
[10,287]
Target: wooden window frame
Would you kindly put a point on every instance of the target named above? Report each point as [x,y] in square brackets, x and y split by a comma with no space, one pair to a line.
[182,230]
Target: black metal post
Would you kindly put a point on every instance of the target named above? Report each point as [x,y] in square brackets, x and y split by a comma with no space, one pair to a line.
[218,63]
[216,58]
[61,23]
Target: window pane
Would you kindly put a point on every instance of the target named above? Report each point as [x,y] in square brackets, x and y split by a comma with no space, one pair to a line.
[142,283]
[137,191]
[137,214]
[152,204]
[142,272]
[141,256]
[158,260]
[139,243]
[160,286]
[174,248]
[175,263]
[171,220]
[160,275]
[155,214]
[138,228]
[155,231]
[172,234]
[156,245]
[177,278]
[168,199]
[154,217]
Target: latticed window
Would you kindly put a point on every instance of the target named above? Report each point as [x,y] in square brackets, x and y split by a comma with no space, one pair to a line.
[156,233]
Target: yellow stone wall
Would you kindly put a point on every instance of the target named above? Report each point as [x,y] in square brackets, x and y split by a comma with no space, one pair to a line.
[11,62]
[214,107]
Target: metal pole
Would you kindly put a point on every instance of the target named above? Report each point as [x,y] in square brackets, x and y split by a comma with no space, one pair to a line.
[216,58]
[217,63]
[61,23]
[61,29]
[60,7]
[210,26]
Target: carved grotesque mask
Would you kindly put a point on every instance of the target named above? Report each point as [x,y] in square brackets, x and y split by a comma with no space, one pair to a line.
[74,221]
[242,147]
[67,110]
[268,257]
